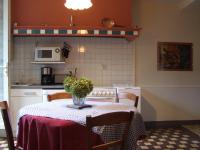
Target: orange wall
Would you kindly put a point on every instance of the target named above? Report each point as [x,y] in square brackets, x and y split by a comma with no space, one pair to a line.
[53,12]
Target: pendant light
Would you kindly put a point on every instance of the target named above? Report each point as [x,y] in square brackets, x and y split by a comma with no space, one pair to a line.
[78,4]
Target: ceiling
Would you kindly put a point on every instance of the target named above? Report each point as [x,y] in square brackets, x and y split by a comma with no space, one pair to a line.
[185,3]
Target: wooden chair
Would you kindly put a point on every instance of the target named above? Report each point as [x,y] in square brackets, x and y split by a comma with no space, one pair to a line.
[8,129]
[108,119]
[57,96]
[130,96]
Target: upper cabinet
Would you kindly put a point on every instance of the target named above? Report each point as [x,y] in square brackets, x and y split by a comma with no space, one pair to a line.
[50,17]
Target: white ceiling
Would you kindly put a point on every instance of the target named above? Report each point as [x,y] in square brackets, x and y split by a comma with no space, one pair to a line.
[185,3]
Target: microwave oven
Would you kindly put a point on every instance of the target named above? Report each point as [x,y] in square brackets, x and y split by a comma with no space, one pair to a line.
[48,54]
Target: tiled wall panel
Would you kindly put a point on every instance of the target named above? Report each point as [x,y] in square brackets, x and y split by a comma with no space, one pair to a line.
[106,60]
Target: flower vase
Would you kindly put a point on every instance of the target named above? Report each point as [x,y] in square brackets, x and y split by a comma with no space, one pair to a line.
[78,101]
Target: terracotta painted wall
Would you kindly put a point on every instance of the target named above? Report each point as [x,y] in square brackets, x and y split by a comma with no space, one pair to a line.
[53,12]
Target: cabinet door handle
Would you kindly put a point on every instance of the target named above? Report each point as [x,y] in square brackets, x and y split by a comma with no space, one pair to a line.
[30,93]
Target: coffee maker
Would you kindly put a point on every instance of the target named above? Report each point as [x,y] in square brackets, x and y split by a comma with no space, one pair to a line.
[47,77]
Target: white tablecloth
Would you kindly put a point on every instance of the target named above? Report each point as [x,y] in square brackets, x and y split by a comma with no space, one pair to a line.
[59,110]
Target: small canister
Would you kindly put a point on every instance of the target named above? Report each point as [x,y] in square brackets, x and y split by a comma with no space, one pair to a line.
[46,71]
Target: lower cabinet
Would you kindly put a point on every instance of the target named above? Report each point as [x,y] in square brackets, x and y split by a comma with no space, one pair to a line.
[20,98]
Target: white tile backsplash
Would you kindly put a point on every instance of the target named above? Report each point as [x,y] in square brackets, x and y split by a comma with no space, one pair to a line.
[106,60]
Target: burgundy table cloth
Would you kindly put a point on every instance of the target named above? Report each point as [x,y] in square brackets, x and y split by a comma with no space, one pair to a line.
[54,126]
[42,133]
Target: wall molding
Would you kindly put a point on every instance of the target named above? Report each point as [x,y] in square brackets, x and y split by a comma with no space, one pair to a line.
[170,86]
[165,124]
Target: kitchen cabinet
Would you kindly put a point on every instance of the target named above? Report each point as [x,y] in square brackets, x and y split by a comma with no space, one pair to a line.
[20,98]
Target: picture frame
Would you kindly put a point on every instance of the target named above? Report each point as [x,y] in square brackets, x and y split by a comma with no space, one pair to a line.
[175,56]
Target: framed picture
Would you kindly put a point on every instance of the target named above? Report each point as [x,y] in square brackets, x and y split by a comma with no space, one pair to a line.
[174,56]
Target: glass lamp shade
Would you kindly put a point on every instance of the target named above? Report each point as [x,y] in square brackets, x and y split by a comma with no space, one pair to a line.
[78,4]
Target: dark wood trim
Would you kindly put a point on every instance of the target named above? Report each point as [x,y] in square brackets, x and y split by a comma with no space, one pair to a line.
[3,105]
[8,129]
[166,124]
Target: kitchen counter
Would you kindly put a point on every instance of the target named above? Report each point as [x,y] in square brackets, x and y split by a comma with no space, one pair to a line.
[60,86]
[37,86]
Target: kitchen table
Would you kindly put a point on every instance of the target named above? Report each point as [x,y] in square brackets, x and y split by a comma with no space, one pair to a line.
[54,126]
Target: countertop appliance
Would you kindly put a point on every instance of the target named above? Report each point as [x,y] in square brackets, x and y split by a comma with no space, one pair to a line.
[47,77]
[103,94]
[48,54]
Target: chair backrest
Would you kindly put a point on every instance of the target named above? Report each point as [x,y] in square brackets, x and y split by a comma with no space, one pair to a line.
[130,96]
[57,96]
[108,119]
[8,129]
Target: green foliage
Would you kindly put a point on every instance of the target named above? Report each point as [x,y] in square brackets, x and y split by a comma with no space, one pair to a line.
[79,88]
[68,81]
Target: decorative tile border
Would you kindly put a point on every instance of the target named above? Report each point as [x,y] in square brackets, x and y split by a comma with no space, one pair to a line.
[47,31]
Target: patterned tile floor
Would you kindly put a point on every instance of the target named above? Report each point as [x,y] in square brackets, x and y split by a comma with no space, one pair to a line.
[193,128]
[3,144]
[182,138]
[171,139]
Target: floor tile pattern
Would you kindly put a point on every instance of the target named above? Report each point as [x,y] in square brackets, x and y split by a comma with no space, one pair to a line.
[193,128]
[170,139]
[3,144]
[160,138]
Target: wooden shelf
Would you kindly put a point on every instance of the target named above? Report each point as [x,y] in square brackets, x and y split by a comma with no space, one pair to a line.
[128,33]
[47,62]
